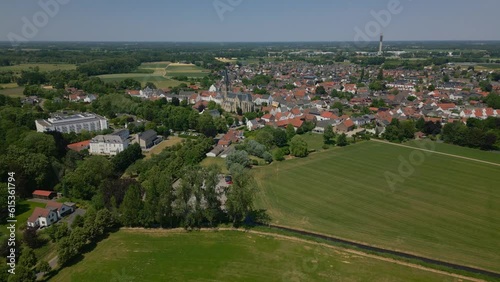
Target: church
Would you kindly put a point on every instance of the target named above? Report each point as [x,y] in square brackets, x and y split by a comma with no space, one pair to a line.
[232,101]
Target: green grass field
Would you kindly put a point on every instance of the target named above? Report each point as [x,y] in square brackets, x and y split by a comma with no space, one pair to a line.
[159,80]
[493,157]
[186,70]
[24,209]
[42,66]
[448,209]
[138,255]
[12,91]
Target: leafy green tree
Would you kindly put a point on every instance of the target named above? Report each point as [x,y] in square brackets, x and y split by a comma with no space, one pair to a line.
[83,183]
[298,147]
[240,196]
[131,207]
[280,137]
[493,100]
[238,157]
[127,157]
[43,267]
[328,135]
[290,132]
[65,251]
[342,140]
[28,258]
[267,157]
[279,155]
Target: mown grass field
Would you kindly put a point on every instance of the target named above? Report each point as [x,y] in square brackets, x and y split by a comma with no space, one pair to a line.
[138,255]
[448,208]
[42,66]
[159,80]
[188,70]
[493,157]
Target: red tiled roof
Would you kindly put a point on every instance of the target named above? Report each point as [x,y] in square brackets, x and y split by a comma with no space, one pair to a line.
[38,212]
[43,193]
[79,146]
[51,205]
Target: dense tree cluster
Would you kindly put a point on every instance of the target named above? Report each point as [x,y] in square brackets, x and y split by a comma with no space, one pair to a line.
[482,134]
[399,131]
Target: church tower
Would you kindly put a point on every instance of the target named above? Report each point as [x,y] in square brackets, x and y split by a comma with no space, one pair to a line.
[226,83]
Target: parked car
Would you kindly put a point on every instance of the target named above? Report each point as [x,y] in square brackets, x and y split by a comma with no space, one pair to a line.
[229,179]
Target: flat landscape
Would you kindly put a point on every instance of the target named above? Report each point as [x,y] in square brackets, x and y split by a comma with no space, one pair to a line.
[41,66]
[448,208]
[188,70]
[156,255]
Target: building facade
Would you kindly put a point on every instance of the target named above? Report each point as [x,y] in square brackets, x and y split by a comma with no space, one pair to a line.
[72,123]
[111,144]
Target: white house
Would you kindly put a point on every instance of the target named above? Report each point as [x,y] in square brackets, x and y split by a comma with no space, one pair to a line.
[42,217]
[109,145]
[60,208]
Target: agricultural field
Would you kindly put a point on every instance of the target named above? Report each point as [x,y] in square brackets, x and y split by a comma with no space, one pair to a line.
[42,66]
[159,80]
[188,70]
[445,207]
[156,255]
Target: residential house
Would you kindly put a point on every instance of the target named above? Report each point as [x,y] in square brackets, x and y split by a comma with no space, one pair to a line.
[42,218]
[148,139]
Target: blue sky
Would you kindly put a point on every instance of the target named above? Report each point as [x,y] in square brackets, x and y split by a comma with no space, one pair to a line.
[250,20]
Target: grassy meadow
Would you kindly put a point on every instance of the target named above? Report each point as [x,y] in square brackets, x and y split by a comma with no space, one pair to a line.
[188,70]
[155,255]
[448,208]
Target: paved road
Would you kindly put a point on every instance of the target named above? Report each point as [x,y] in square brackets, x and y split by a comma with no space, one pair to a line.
[435,152]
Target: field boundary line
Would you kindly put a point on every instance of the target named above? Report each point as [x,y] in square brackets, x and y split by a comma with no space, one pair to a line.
[435,152]
[296,239]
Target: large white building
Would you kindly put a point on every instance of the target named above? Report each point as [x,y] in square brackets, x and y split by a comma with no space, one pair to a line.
[111,144]
[72,123]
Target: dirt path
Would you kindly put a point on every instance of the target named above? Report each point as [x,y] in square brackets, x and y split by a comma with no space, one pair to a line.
[435,152]
[295,239]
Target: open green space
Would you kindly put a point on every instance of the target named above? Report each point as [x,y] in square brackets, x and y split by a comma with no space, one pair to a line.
[186,70]
[41,66]
[493,157]
[12,91]
[24,209]
[155,65]
[159,80]
[447,208]
[138,255]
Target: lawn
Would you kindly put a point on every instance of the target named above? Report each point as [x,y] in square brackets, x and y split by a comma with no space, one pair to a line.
[448,208]
[24,209]
[138,255]
[493,157]
[42,66]
[314,141]
[188,70]
[171,141]
[12,92]
[215,161]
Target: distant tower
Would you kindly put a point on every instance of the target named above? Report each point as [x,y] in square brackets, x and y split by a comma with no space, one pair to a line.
[226,83]
[380,47]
